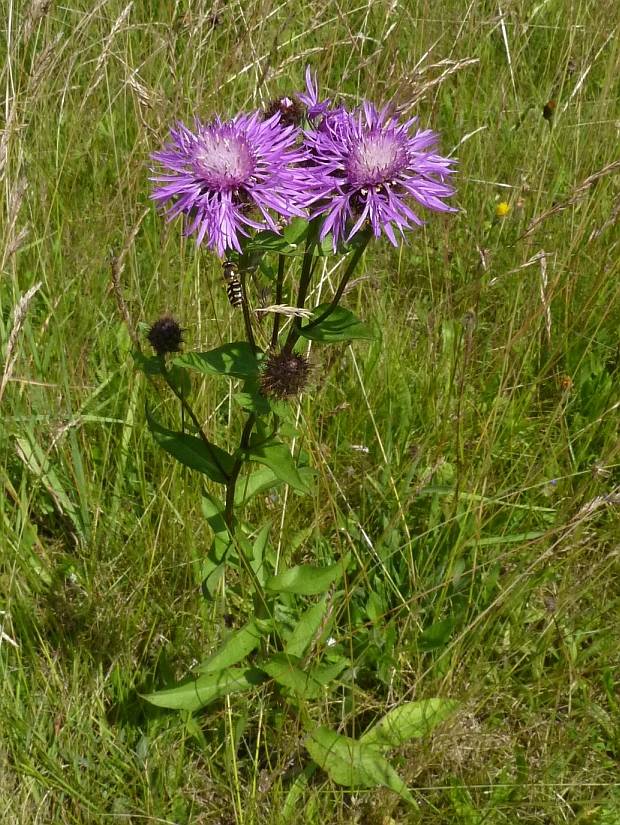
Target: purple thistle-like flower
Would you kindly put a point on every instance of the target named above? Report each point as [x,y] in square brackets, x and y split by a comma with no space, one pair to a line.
[226,177]
[310,98]
[369,167]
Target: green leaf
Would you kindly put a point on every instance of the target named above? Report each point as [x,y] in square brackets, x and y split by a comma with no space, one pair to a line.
[277,456]
[306,579]
[192,452]
[252,399]
[409,721]
[437,635]
[306,629]
[310,683]
[296,231]
[180,379]
[340,325]
[236,647]
[236,360]
[284,670]
[255,483]
[268,241]
[352,764]
[149,365]
[206,689]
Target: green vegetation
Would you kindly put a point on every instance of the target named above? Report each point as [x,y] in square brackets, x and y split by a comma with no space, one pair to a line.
[466,457]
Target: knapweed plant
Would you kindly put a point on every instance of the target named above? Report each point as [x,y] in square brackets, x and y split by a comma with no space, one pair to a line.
[271,193]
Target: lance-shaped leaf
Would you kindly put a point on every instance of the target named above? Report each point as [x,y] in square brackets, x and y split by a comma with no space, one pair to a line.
[305,682]
[235,360]
[353,764]
[409,721]
[340,325]
[208,688]
[235,648]
[277,456]
[306,628]
[307,579]
[193,452]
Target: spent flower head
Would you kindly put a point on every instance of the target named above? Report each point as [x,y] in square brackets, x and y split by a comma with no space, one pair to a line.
[227,177]
[369,167]
[285,374]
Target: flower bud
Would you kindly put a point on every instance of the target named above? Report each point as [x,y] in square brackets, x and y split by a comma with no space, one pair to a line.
[165,336]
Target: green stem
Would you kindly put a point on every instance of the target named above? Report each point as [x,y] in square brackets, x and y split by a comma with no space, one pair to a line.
[304,283]
[231,484]
[278,299]
[247,318]
[185,405]
[359,251]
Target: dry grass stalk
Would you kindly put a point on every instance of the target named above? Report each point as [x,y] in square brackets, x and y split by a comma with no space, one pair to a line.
[611,220]
[579,193]
[105,52]
[422,87]
[544,283]
[13,241]
[118,265]
[19,316]
[38,9]
[15,244]
[283,309]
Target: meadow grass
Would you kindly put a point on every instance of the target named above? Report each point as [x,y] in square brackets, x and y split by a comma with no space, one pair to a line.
[467,457]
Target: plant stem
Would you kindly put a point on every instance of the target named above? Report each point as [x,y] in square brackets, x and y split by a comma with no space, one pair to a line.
[359,251]
[297,330]
[247,318]
[278,301]
[185,405]
[304,283]
[231,484]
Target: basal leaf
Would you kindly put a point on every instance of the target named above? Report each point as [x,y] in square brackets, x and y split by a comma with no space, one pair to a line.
[350,763]
[306,682]
[339,325]
[437,635]
[235,360]
[191,451]
[409,721]
[234,649]
[285,670]
[206,689]
[306,629]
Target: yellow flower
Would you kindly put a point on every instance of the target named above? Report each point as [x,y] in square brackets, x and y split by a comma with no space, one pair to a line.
[502,209]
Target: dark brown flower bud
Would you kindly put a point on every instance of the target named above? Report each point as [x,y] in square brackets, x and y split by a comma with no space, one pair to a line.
[165,336]
[291,110]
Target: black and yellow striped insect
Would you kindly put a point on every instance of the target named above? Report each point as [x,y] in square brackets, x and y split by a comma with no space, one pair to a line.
[234,290]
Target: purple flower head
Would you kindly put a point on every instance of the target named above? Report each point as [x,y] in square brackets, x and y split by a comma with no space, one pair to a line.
[226,177]
[369,167]
[310,98]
